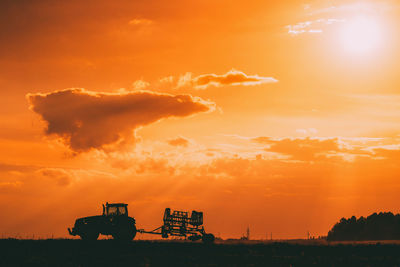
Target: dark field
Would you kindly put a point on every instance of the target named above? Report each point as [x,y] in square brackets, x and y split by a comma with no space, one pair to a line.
[154,253]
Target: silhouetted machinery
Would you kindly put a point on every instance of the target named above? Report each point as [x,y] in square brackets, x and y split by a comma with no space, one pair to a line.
[116,222]
[179,223]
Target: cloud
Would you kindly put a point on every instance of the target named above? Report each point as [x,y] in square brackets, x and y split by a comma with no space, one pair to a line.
[309,131]
[328,149]
[168,79]
[87,120]
[140,85]
[179,141]
[142,21]
[188,81]
[360,7]
[301,148]
[232,77]
[311,26]
[60,176]
[9,185]
[345,11]
[12,167]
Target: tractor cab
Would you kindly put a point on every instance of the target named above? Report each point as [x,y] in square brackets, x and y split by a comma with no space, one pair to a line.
[115,209]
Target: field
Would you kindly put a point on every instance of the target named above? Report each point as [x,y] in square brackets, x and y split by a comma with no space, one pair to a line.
[65,252]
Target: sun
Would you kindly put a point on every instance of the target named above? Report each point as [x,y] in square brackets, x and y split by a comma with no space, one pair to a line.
[361,35]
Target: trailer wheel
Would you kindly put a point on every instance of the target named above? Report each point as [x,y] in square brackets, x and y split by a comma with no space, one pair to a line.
[164,232]
[194,237]
[208,238]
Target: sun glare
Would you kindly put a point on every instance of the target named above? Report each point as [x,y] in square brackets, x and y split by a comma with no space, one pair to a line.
[361,35]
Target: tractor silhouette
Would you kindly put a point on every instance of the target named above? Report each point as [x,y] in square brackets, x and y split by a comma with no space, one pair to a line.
[116,222]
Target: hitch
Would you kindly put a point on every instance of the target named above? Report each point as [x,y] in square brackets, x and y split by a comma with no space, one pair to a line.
[71,232]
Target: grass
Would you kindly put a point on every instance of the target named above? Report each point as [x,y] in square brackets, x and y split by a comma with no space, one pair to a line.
[68,252]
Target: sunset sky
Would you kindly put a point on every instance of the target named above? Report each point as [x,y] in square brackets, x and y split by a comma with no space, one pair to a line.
[279,115]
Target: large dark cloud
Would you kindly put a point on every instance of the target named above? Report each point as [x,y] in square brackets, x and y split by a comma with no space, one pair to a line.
[86,120]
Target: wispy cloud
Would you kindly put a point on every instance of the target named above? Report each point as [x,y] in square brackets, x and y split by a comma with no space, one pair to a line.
[232,77]
[140,85]
[188,81]
[317,15]
[359,7]
[308,131]
[140,21]
[311,26]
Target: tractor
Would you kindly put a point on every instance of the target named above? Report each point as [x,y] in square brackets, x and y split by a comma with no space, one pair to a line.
[114,221]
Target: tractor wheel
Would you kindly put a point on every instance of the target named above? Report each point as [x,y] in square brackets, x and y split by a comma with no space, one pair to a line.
[89,235]
[208,238]
[125,232]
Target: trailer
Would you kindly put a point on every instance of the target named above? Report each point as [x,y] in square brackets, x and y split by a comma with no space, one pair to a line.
[179,223]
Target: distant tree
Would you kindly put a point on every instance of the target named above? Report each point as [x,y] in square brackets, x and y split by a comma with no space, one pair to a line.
[382,226]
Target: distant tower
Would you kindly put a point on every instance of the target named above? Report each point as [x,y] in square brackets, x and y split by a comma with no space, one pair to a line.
[247,235]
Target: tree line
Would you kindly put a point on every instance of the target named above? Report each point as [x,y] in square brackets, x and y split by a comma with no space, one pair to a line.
[377,226]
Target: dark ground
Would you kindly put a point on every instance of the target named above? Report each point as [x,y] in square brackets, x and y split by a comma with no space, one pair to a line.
[64,252]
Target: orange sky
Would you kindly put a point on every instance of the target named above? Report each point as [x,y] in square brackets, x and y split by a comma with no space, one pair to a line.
[280,115]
